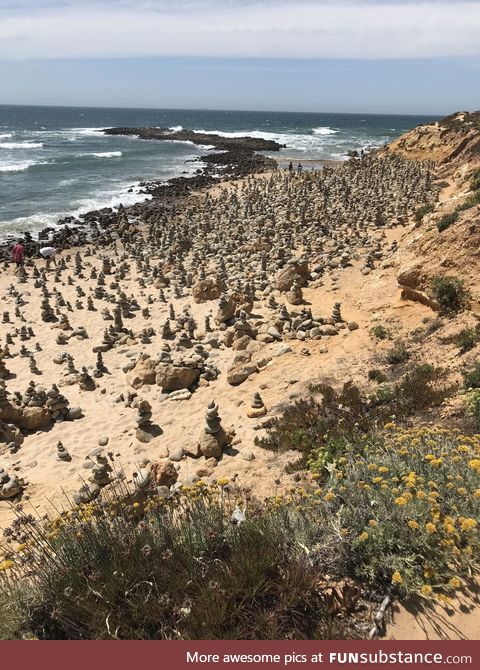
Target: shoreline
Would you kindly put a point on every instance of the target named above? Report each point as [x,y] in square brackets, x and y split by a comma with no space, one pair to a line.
[237,159]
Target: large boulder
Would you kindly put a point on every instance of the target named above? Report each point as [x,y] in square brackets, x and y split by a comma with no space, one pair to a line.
[243,302]
[412,281]
[10,414]
[143,373]
[35,418]
[211,446]
[173,378]
[419,296]
[298,270]
[26,418]
[226,309]
[411,276]
[241,369]
[207,289]
[164,474]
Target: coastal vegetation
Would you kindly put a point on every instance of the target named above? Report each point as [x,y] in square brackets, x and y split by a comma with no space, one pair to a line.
[323,427]
[422,211]
[466,339]
[472,199]
[450,293]
[397,513]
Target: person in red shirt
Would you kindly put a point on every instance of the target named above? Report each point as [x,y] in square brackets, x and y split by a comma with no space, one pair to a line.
[18,252]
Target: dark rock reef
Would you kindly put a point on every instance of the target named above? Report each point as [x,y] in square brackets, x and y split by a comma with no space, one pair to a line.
[218,141]
[234,158]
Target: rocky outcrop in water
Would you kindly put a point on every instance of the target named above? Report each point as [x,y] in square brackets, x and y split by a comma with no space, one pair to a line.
[206,139]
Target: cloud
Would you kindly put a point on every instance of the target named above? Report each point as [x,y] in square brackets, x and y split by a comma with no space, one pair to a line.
[63,29]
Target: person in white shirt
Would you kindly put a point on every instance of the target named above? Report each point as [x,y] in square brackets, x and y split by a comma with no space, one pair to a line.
[49,254]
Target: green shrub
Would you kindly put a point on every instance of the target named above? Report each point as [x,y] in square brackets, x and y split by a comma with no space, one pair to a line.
[472,377]
[465,340]
[422,388]
[447,220]
[422,211]
[384,396]
[470,201]
[450,293]
[409,508]
[179,569]
[315,426]
[377,376]
[432,325]
[419,389]
[472,406]
[397,354]
[380,332]
[475,182]
[322,430]
[398,514]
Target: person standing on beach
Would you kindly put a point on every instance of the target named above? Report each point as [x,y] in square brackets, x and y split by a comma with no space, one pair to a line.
[18,252]
[49,254]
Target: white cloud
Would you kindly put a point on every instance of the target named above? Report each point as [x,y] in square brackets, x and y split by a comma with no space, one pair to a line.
[260,29]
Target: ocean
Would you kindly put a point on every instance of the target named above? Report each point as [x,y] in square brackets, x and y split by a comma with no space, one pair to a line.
[54,161]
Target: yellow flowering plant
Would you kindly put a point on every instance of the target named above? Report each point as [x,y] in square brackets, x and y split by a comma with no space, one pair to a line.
[414,528]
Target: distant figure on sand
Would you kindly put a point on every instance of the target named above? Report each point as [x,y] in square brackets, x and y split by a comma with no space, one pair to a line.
[299,167]
[18,252]
[290,166]
[49,254]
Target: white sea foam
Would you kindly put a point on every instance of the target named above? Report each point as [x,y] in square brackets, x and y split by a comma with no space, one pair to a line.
[324,130]
[100,199]
[70,134]
[108,199]
[4,136]
[21,145]
[175,129]
[19,167]
[103,154]
[301,142]
[178,141]
[85,131]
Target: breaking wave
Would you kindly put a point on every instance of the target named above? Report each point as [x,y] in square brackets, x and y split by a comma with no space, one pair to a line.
[21,145]
[100,199]
[303,142]
[324,130]
[103,154]
[19,167]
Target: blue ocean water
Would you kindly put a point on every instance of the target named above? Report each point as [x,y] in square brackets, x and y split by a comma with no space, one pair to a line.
[55,161]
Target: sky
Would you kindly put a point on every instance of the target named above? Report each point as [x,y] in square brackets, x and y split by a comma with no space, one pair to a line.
[384,56]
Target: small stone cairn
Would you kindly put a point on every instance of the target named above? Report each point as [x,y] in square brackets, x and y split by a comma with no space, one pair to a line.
[257,408]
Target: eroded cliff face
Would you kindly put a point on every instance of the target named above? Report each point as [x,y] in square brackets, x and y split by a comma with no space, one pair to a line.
[450,142]
[433,246]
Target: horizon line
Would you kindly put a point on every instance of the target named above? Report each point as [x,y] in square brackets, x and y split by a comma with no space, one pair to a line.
[207,109]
